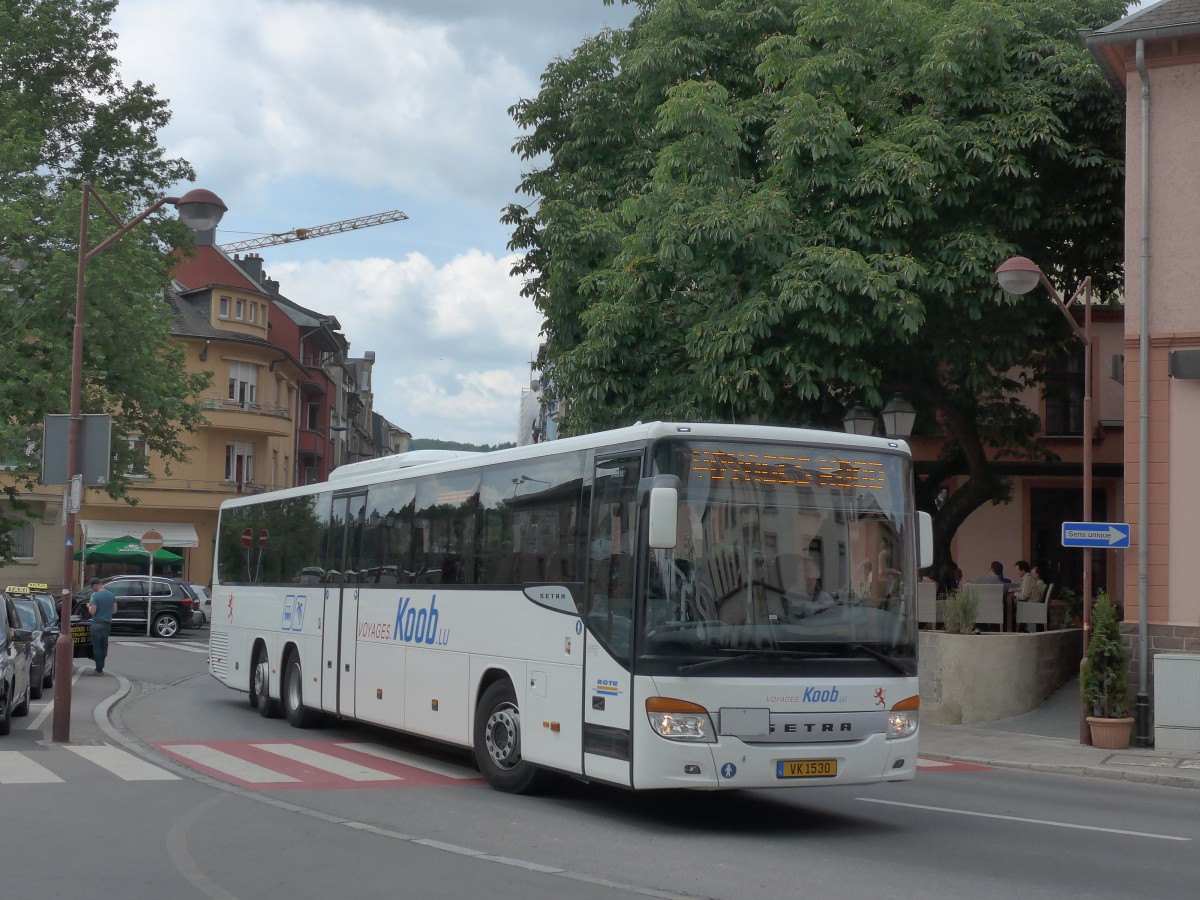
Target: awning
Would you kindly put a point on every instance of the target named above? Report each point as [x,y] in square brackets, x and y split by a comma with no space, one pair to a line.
[175,534]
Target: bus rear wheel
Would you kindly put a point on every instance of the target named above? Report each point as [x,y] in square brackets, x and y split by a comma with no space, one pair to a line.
[498,742]
[298,715]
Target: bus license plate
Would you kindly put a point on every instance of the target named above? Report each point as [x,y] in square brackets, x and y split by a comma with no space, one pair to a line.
[806,768]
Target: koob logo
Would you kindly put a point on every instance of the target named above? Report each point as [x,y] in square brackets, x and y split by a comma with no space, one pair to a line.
[293,612]
[419,626]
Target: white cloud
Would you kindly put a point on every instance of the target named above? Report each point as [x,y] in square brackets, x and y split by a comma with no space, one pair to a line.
[452,343]
[299,113]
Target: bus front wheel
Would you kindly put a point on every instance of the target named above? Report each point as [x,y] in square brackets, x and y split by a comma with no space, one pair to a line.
[498,741]
[298,715]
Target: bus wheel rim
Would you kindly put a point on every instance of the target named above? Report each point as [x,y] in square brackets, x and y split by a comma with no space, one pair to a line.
[503,736]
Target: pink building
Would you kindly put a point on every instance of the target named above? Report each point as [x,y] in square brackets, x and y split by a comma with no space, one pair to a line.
[1152,58]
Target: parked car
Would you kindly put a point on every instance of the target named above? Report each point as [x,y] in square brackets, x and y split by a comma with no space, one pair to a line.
[16,654]
[202,604]
[170,609]
[44,641]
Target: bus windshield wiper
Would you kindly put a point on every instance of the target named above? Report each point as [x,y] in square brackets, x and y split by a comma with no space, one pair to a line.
[763,653]
[889,661]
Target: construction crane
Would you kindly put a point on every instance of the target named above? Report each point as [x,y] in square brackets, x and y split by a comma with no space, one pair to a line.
[303,234]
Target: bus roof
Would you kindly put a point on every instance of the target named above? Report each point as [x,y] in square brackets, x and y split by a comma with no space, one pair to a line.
[370,470]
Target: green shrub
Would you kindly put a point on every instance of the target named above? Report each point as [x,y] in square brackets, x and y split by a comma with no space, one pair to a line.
[1104,678]
[960,610]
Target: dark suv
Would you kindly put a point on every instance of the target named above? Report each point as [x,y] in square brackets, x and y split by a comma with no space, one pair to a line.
[171,607]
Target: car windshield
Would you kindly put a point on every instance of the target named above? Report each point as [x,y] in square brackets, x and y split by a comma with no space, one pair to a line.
[27,614]
[782,552]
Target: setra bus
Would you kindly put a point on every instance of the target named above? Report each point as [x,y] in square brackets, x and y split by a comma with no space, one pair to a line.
[660,606]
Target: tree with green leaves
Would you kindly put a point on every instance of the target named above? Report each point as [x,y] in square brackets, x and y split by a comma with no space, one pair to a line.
[766,212]
[69,120]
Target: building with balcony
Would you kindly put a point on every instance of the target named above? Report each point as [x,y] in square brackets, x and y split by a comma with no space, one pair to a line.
[286,406]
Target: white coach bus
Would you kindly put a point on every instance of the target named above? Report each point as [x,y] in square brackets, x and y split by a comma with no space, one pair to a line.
[661,606]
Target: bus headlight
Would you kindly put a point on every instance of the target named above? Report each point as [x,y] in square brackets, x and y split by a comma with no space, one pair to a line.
[903,718]
[679,720]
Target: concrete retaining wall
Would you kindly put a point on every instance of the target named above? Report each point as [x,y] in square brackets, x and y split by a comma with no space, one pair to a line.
[967,678]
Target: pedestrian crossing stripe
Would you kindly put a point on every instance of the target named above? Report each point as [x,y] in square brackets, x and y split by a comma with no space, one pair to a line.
[166,645]
[17,767]
[315,765]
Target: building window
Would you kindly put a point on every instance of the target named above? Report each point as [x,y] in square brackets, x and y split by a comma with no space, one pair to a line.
[239,309]
[253,312]
[243,383]
[224,308]
[20,538]
[1064,396]
[313,417]
[239,463]
[139,458]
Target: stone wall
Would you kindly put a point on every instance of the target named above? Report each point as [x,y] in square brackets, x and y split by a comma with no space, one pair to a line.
[1159,639]
[967,678]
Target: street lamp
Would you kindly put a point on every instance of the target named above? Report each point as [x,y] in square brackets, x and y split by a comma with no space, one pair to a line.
[1020,275]
[859,420]
[198,209]
[898,415]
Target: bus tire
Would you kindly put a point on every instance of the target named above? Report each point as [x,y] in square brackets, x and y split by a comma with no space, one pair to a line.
[498,741]
[260,687]
[298,715]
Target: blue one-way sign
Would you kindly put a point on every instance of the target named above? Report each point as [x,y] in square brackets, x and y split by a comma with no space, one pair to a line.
[1109,535]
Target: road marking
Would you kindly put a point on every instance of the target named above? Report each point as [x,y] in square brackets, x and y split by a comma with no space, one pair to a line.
[165,645]
[123,764]
[222,763]
[326,763]
[943,765]
[411,759]
[317,765]
[983,815]
[41,717]
[17,768]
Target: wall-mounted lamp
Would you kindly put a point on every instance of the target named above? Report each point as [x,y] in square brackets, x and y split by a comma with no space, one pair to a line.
[204,352]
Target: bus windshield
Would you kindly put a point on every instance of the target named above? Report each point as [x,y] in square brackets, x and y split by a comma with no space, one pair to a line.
[783,553]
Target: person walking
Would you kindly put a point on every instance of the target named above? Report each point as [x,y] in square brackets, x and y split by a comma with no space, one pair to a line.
[102,604]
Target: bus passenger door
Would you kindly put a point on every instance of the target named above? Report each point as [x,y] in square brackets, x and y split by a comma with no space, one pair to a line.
[610,616]
[341,604]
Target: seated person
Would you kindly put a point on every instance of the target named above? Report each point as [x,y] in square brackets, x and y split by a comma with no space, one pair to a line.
[1029,590]
[995,576]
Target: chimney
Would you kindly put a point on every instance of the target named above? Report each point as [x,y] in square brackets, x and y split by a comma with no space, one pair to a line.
[252,265]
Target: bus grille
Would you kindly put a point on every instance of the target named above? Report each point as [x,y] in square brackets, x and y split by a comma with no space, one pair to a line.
[218,653]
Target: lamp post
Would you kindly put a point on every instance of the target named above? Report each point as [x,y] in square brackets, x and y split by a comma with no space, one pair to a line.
[898,415]
[1020,275]
[200,210]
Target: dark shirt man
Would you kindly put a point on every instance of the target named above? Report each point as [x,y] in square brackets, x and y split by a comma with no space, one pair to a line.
[102,604]
[995,577]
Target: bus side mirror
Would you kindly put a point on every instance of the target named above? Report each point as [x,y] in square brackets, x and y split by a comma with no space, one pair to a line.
[664,518]
[925,539]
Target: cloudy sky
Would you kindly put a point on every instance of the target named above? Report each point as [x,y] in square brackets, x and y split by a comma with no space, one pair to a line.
[304,112]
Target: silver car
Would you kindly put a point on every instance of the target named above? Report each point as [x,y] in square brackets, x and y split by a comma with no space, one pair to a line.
[201,615]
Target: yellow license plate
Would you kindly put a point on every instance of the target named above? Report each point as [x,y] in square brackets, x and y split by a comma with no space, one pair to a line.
[806,768]
[81,635]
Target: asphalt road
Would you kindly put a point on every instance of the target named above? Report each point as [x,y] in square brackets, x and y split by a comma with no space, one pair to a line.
[369,813]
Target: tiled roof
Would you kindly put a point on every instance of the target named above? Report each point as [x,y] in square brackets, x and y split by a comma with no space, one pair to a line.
[1164,14]
[209,266]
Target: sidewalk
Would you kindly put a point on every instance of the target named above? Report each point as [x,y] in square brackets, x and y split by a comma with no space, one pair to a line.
[1047,740]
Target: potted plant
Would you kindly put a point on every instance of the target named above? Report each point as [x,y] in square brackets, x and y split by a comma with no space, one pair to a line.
[1072,607]
[1104,679]
[960,610]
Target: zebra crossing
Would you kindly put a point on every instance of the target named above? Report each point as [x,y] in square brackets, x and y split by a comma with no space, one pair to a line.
[127,643]
[253,765]
[272,765]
